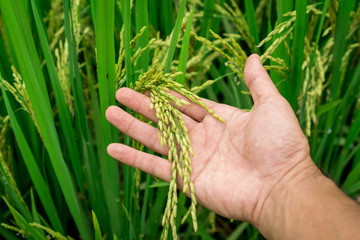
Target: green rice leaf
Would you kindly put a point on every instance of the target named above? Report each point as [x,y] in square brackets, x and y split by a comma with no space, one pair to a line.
[141,21]
[251,19]
[105,48]
[298,50]
[33,169]
[35,83]
[64,114]
[185,49]
[127,39]
[23,224]
[98,235]
[175,36]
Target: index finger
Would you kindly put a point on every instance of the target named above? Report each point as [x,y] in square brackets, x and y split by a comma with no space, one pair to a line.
[141,104]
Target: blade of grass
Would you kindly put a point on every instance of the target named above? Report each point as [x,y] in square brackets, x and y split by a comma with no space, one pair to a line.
[342,26]
[81,124]
[153,14]
[128,172]
[127,39]
[185,49]
[251,20]
[11,49]
[341,31]
[93,10]
[156,212]
[204,234]
[216,22]
[339,111]
[35,212]
[352,182]
[343,160]
[209,6]
[82,127]
[298,52]
[96,198]
[64,114]
[98,235]
[74,74]
[175,36]
[118,18]
[283,6]
[238,231]
[23,224]
[145,204]
[33,78]
[353,131]
[4,61]
[36,176]
[141,21]
[33,208]
[105,47]
[166,16]
[355,128]
[22,18]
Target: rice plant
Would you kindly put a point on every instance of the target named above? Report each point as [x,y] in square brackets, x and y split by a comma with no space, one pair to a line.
[61,63]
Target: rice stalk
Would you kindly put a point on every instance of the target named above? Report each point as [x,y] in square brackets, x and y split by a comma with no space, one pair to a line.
[51,233]
[19,232]
[236,57]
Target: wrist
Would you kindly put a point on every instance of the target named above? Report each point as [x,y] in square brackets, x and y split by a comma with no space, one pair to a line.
[302,179]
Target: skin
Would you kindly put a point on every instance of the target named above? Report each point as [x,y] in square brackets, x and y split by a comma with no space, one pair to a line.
[255,167]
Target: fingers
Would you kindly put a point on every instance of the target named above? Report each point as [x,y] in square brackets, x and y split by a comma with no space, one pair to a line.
[136,102]
[193,110]
[146,162]
[141,104]
[258,80]
[136,129]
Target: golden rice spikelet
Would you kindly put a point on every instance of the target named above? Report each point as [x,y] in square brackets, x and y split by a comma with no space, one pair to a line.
[173,134]
[62,56]
[21,95]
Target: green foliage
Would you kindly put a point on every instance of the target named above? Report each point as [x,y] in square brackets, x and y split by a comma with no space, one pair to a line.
[62,61]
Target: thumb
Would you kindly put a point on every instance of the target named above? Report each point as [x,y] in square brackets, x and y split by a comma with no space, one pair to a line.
[258,81]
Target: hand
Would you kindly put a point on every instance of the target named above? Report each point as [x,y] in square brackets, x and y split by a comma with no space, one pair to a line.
[237,164]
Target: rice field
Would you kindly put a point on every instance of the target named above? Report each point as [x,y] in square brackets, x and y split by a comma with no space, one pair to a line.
[62,61]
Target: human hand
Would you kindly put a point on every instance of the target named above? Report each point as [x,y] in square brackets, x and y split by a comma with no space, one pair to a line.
[237,165]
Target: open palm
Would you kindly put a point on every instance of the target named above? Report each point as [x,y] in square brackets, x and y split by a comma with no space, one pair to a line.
[236,164]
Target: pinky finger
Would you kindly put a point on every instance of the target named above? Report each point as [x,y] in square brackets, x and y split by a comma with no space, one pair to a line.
[146,162]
